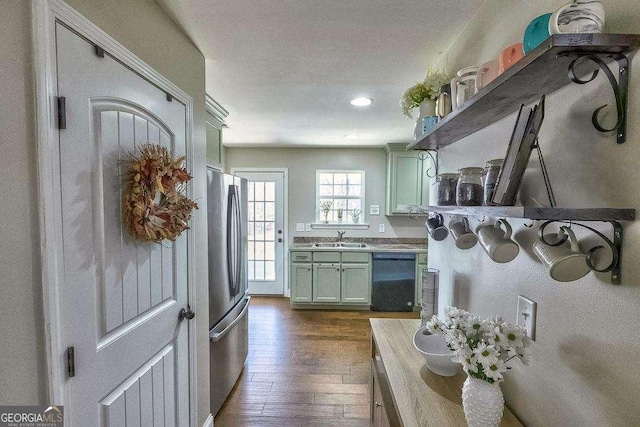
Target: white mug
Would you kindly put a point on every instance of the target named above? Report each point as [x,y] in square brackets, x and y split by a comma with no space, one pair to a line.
[497,243]
[461,233]
[579,16]
[566,262]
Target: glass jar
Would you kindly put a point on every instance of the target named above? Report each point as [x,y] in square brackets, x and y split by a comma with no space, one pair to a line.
[491,172]
[469,191]
[446,184]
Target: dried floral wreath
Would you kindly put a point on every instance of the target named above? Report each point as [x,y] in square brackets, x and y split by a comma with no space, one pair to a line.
[154,205]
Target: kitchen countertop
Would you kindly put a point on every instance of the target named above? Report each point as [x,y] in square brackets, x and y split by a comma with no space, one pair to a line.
[371,247]
[420,397]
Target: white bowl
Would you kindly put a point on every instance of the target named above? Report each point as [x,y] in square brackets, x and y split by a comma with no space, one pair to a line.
[436,353]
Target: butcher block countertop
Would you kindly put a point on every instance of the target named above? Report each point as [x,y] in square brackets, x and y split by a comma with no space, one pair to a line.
[420,397]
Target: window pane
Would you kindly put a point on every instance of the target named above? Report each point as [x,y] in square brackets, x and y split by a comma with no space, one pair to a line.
[355,178]
[259,251]
[250,234]
[250,211]
[259,270]
[269,233]
[270,251]
[339,190]
[259,191]
[251,253]
[250,194]
[326,190]
[355,204]
[252,272]
[259,231]
[259,211]
[354,190]
[270,211]
[270,270]
[270,191]
[326,178]
[340,204]
[339,178]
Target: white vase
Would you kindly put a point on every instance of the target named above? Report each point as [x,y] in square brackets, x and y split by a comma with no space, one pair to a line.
[427,108]
[482,402]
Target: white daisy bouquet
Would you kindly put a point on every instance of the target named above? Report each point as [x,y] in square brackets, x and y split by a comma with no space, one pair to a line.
[482,346]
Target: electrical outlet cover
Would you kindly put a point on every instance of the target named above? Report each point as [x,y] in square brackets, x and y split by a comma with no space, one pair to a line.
[307,226]
[374,209]
[299,226]
[381,228]
[526,316]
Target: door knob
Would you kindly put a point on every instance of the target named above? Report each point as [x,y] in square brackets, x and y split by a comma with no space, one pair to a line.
[279,231]
[186,314]
[279,239]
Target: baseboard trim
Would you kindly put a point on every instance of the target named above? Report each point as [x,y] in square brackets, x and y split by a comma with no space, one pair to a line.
[208,422]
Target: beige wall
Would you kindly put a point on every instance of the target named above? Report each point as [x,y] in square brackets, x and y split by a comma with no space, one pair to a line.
[302,164]
[584,369]
[22,363]
[145,29]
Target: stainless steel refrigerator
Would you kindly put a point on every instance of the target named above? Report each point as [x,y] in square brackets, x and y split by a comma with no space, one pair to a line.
[228,298]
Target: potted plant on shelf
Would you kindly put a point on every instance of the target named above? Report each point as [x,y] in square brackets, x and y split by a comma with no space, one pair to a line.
[325,207]
[483,346]
[355,216]
[423,95]
[339,212]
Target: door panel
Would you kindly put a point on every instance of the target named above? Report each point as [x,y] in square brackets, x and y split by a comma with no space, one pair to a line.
[265,232]
[356,281]
[301,282]
[120,297]
[326,282]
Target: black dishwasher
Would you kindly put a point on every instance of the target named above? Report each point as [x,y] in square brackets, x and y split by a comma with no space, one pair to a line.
[394,281]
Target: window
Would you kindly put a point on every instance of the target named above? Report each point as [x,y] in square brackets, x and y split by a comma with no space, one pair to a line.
[261,230]
[340,190]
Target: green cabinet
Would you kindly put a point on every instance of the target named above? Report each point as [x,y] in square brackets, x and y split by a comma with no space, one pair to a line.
[214,123]
[356,283]
[407,181]
[301,282]
[326,283]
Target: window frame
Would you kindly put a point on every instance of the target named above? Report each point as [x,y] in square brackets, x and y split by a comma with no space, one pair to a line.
[319,217]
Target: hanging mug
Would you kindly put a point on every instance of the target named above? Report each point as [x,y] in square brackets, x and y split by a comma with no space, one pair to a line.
[436,228]
[565,261]
[510,56]
[497,243]
[462,235]
[487,73]
[579,16]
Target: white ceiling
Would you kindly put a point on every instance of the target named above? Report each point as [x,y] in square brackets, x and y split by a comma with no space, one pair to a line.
[287,69]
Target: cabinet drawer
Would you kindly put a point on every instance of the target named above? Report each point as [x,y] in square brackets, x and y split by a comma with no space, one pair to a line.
[300,256]
[422,258]
[360,257]
[326,257]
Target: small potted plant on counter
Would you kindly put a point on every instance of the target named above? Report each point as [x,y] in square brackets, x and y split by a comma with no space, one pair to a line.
[483,346]
[355,216]
[339,212]
[325,207]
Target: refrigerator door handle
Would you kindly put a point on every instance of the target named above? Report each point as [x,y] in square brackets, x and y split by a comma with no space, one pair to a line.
[217,336]
[231,252]
[238,242]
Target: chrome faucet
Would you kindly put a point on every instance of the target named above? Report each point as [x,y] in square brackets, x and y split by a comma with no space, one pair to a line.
[341,235]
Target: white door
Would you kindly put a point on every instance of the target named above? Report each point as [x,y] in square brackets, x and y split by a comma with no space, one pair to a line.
[265,232]
[120,297]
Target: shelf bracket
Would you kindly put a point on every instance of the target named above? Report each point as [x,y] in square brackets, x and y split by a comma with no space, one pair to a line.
[615,246]
[620,90]
[433,170]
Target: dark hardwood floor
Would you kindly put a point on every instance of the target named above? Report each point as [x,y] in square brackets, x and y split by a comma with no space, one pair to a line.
[305,368]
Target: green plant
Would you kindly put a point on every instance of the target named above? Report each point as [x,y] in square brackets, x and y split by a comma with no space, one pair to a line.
[339,211]
[427,89]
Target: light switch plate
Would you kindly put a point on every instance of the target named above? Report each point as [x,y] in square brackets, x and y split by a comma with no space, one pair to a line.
[374,209]
[307,226]
[299,226]
[381,228]
[526,316]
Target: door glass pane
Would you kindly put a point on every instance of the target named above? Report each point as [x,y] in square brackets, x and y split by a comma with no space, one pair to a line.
[269,231]
[259,196]
[270,191]
[259,215]
[270,211]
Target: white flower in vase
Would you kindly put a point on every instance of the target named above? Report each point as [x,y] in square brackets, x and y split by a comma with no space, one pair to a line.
[486,354]
[495,370]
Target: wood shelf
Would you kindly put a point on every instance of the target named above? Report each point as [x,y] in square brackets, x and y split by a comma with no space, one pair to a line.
[536,213]
[542,71]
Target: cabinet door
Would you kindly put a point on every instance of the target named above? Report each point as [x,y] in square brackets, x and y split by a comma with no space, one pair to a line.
[326,283]
[405,182]
[214,140]
[301,282]
[356,283]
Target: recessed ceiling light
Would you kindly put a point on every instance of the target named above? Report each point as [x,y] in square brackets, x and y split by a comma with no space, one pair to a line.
[361,102]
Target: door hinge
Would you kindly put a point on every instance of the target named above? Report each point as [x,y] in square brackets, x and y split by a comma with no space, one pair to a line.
[169,97]
[62,112]
[99,51]
[71,362]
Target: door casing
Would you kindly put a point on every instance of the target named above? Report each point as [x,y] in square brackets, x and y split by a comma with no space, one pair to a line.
[285,197]
[45,13]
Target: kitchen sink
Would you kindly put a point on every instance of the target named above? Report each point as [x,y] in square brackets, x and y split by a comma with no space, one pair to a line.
[341,245]
[353,245]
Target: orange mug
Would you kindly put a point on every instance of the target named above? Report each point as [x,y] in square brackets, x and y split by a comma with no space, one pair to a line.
[510,56]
